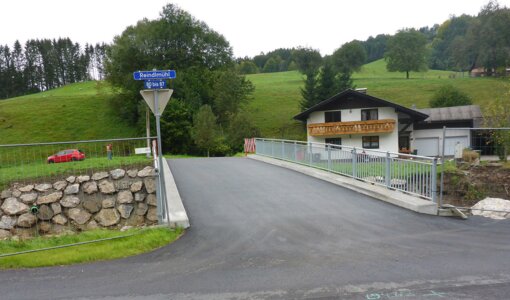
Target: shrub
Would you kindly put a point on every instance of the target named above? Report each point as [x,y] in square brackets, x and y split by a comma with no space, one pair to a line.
[449,95]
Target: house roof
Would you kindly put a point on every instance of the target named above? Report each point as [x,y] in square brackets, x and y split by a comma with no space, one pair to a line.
[454,113]
[349,94]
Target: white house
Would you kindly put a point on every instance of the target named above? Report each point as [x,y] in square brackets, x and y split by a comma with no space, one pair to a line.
[356,119]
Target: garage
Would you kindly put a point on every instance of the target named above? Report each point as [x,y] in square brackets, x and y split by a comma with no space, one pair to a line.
[451,141]
[427,146]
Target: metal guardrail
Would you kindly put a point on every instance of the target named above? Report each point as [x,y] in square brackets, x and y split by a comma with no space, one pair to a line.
[413,174]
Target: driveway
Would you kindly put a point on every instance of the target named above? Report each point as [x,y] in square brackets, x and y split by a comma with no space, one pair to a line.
[263,232]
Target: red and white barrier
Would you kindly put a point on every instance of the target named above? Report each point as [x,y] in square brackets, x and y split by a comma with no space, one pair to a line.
[249,146]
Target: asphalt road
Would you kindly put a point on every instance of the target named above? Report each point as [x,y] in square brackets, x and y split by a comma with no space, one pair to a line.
[263,232]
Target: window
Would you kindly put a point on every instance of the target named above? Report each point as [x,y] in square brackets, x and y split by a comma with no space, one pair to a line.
[334,141]
[370,142]
[332,116]
[369,114]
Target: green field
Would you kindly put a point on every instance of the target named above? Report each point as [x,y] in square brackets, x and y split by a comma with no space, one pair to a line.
[277,96]
[77,111]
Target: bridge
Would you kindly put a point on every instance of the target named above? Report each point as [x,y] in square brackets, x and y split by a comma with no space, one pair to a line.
[260,231]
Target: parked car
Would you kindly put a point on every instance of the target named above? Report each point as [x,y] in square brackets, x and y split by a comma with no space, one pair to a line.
[66,156]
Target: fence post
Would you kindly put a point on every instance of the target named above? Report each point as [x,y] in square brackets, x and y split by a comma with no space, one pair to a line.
[283,149]
[329,157]
[295,151]
[434,180]
[388,170]
[272,148]
[442,169]
[310,154]
[354,161]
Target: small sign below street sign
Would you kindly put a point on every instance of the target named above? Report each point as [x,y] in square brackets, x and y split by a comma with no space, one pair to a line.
[142,150]
[154,75]
[154,84]
[163,98]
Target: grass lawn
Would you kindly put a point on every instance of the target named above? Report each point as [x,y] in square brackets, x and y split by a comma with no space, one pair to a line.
[142,240]
[277,95]
[79,111]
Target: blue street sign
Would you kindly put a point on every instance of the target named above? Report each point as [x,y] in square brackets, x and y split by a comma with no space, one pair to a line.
[148,75]
[154,84]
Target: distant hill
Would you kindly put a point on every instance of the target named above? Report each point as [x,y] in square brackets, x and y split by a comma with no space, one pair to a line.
[77,111]
[277,95]
[81,111]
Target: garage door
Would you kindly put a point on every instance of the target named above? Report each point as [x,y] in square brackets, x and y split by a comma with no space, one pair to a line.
[451,141]
[427,146]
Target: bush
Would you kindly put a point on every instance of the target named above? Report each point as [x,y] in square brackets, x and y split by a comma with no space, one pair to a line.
[449,95]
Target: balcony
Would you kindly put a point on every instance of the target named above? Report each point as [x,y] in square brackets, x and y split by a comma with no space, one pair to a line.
[356,127]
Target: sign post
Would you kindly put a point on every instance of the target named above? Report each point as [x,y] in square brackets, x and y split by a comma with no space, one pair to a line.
[157,96]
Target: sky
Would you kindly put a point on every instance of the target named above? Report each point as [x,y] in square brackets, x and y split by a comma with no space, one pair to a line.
[251,26]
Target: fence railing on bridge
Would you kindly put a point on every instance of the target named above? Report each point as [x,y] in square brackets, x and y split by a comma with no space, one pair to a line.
[413,174]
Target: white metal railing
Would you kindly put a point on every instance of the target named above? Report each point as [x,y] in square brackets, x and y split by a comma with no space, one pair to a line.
[412,174]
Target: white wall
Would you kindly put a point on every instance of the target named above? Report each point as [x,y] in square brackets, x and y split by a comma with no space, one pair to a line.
[438,133]
[387,141]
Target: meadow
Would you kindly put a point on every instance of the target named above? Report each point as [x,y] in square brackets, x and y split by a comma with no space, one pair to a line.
[277,95]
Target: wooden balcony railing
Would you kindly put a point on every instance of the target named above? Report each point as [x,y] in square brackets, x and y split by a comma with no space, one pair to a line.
[356,127]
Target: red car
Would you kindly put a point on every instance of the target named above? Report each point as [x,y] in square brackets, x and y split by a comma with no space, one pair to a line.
[66,155]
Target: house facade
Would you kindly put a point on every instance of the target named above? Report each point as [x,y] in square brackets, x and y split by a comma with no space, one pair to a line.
[354,118]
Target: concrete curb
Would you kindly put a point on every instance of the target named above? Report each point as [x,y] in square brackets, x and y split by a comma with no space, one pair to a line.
[378,192]
[176,210]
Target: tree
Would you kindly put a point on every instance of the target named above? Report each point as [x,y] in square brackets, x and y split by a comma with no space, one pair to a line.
[308,62]
[494,37]
[375,47]
[202,57]
[205,131]
[272,64]
[448,95]
[349,57]
[406,52]
[230,93]
[327,85]
[247,67]
[241,126]
[497,115]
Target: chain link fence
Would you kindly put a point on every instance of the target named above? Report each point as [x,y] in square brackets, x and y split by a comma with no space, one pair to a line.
[45,162]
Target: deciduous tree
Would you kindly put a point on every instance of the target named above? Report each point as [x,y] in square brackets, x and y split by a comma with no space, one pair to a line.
[407,52]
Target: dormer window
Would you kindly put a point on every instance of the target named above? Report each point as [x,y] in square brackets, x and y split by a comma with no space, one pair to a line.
[332,116]
[369,114]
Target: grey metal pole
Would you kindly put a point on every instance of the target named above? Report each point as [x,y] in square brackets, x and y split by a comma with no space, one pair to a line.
[388,170]
[329,157]
[434,181]
[442,170]
[148,130]
[162,199]
[354,158]
[295,151]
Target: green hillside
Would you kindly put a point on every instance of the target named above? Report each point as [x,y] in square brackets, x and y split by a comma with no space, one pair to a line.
[81,111]
[277,96]
[75,112]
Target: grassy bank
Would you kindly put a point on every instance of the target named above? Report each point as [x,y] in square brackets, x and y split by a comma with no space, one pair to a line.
[79,111]
[140,241]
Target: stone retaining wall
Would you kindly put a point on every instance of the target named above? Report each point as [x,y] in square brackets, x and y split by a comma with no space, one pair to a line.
[101,200]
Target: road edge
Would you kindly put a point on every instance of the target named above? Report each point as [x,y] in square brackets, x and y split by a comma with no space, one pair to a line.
[176,210]
[381,193]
